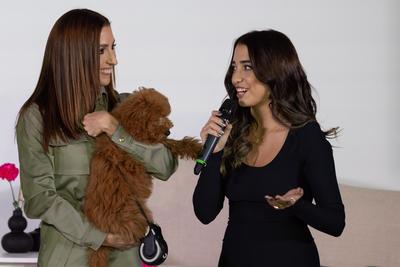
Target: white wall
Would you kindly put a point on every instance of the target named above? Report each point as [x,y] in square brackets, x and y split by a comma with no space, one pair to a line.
[350,50]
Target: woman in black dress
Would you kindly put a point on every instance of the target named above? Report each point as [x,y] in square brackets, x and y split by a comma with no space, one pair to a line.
[271,161]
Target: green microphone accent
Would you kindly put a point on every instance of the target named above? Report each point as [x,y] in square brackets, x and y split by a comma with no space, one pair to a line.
[202,162]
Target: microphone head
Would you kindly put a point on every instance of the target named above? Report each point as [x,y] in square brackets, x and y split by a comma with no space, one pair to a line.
[227,109]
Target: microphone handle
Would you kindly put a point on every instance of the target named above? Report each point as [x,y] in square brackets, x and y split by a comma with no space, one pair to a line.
[209,147]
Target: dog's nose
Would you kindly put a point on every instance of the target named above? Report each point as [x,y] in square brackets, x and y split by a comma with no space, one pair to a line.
[167,133]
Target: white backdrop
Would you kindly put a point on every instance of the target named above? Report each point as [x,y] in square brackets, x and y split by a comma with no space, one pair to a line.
[349,49]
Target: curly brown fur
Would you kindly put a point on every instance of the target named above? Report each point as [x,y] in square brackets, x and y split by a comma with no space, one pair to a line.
[188,147]
[117,180]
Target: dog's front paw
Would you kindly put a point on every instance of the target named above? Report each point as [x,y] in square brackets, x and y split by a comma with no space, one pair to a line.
[188,147]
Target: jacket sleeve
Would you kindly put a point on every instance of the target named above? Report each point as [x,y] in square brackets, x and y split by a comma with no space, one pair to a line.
[327,214]
[209,194]
[157,159]
[38,186]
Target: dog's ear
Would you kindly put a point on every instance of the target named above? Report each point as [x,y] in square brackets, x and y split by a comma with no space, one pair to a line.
[130,111]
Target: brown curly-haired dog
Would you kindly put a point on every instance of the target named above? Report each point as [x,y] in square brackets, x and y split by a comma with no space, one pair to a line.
[117,180]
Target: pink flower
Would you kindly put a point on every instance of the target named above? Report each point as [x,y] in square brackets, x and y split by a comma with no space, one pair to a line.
[8,171]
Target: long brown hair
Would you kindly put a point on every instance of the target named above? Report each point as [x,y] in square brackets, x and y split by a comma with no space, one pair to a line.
[69,81]
[275,63]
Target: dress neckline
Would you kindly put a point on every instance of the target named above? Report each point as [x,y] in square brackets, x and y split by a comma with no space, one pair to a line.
[277,156]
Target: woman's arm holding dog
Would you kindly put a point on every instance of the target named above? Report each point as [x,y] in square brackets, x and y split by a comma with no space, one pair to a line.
[157,159]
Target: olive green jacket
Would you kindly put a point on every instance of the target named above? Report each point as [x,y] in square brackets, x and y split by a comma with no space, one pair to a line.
[53,185]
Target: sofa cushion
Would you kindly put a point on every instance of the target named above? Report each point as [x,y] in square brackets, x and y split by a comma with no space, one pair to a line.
[372,233]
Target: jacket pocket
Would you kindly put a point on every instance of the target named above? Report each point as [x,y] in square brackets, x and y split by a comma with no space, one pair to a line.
[72,158]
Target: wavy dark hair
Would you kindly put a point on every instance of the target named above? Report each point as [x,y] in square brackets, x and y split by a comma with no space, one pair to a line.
[69,81]
[275,63]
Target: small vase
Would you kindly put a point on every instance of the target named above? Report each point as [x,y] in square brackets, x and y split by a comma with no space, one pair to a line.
[17,241]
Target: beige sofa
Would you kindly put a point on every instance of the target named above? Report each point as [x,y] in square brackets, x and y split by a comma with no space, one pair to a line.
[371,236]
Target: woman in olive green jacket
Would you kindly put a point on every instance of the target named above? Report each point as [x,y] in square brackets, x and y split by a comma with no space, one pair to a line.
[55,133]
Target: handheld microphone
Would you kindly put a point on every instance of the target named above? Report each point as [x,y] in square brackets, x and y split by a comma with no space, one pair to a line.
[226,110]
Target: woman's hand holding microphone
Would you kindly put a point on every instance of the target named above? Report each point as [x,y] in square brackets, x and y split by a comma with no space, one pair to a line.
[215,126]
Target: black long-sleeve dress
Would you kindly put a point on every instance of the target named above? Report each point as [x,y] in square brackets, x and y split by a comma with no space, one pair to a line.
[259,235]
